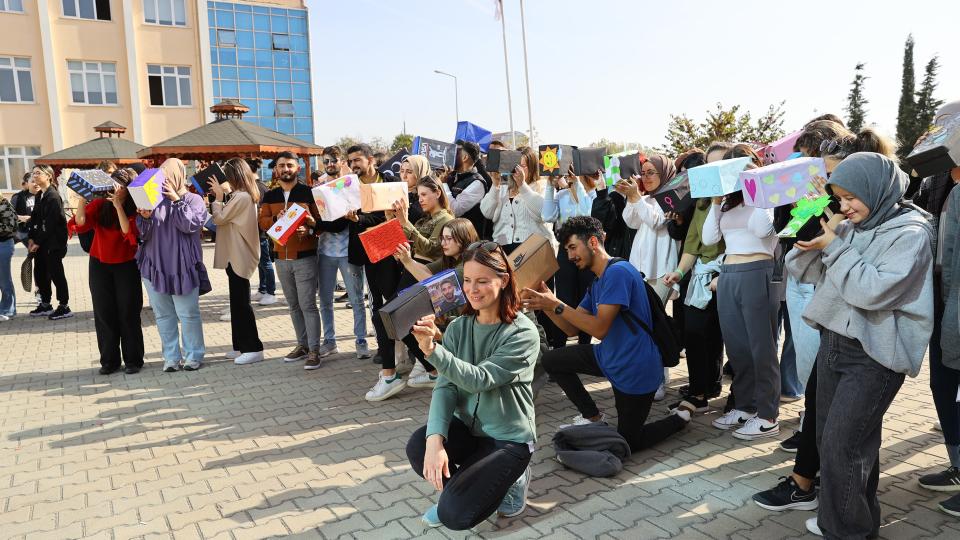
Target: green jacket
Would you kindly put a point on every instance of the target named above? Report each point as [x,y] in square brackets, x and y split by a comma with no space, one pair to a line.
[485,379]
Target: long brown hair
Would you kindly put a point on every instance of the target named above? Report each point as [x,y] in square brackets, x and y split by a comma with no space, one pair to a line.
[464,234]
[241,177]
[433,185]
[496,260]
[529,157]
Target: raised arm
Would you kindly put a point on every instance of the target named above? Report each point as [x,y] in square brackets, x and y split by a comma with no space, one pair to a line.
[711,234]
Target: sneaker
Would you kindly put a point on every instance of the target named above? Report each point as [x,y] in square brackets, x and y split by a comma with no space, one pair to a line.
[363,351]
[267,300]
[108,370]
[946,480]
[62,312]
[431,518]
[342,298]
[340,287]
[327,349]
[171,367]
[298,353]
[791,443]
[43,310]
[787,495]
[951,505]
[515,501]
[813,527]
[417,371]
[131,370]
[423,380]
[248,358]
[313,361]
[230,355]
[661,393]
[226,317]
[4,318]
[579,420]
[684,414]
[192,366]
[937,426]
[255,297]
[734,418]
[692,404]
[377,359]
[757,428]
[385,388]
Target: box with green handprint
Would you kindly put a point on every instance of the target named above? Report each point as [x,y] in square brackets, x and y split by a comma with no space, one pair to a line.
[804,221]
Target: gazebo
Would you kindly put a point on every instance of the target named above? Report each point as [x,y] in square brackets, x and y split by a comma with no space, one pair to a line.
[89,154]
[229,136]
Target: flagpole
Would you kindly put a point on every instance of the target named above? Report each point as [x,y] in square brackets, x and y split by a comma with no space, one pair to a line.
[506,67]
[526,74]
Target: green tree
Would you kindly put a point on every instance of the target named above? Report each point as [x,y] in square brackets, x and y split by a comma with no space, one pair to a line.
[906,113]
[347,141]
[612,147]
[856,113]
[927,104]
[401,141]
[724,124]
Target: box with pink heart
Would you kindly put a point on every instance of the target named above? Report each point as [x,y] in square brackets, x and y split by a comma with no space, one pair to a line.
[781,183]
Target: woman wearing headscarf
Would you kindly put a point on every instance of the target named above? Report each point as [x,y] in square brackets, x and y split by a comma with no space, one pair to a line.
[873,305]
[171,265]
[412,169]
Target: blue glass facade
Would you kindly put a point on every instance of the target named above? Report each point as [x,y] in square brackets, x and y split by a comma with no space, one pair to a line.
[261,56]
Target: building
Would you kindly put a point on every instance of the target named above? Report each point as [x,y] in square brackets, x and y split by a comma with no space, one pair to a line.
[156,66]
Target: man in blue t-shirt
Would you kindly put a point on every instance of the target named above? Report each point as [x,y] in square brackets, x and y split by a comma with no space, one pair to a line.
[626,354]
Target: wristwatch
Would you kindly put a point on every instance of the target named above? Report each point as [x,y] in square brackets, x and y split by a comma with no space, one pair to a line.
[559,309]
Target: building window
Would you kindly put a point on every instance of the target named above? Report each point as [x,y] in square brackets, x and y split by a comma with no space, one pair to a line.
[16,84]
[165,12]
[169,85]
[14,162]
[87,9]
[93,83]
[281,42]
[11,5]
[226,38]
[284,107]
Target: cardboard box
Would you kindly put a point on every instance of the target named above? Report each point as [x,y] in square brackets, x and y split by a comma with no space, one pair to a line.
[381,196]
[939,150]
[445,292]
[390,170]
[147,189]
[779,150]
[337,197]
[716,179]
[782,183]
[287,224]
[400,314]
[438,153]
[503,161]
[533,261]
[804,223]
[555,159]
[381,241]
[611,168]
[90,183]
[588,160]
[674,196]
[201,180]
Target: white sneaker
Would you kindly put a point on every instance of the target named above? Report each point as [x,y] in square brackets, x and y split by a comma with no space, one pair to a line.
[757,428]
[579,420]
[423,380]
[813,527]
[733,419]
[4,318]
[326,349]
[417,371]
[249,358]
[230,355]
[255,297]
[267,300]
[226,316]
[661,393]
[386,387]
[937,426]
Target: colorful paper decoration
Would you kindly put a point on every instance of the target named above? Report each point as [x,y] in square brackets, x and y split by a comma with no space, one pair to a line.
[939,149]
[287,224]
[440,154]
[674,196]
[390,170]
[90,183]
[611,168]
[503,161]
[533,261]
[400,314]
[381,241]
[804,223]
[381,196]
[588,160]
[779,150]
[337,197]
[716,179]
[782,183]
[147,189]
[474,133]
[201,180]
[555,159]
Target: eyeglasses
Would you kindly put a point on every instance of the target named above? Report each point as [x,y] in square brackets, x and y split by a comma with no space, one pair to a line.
[330,161]
[649,174]
[830,147]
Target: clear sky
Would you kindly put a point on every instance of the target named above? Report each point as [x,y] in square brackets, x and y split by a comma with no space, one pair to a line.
[613,68]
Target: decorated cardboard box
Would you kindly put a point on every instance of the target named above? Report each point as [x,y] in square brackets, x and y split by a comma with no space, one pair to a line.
[716,179]
[779,150]
[674,196]
[381,241]
[445,292]
[533,261]
[781,183]
[939,150]
[287,224]
[390,170]
[555,159]
[400,314]
[440,154]
[201,180]
[381,196]
[611,168]
[147,189]
[90,183]
[503,161]
[337,197]
[804,222]
[588,160]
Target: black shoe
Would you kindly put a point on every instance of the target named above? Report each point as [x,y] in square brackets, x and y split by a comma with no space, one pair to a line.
[791,443]
[340,287]
[130,370]
[377,359]
[786,496]
[170,369]
[342,298]
[43,310]
[692,404]
[947,480]
[108,370]
[951,505]
[62,312]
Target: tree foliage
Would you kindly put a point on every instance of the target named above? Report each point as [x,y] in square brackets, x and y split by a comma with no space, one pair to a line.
[856,111]
[402,140]
[724,124]
[927,104]
[906,112]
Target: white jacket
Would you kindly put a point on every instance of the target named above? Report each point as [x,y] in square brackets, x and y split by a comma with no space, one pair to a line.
[654,253]
[514,221]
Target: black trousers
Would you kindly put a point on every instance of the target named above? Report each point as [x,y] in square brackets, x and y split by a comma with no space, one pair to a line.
[243,323]
[117,300]
[481,471]
[632,409]
[807,462]
[704,344]
[572,285]
[383,278]
[48,268]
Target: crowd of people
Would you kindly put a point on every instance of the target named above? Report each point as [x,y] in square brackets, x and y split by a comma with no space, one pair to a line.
[857,307]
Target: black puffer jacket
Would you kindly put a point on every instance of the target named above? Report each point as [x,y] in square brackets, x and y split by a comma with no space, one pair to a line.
[48,223]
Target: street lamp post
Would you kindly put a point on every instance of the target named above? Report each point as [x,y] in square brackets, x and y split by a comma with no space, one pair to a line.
[456,91]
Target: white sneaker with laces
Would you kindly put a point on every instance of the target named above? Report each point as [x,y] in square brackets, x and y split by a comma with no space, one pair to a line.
[230,355]
[423,380]
[267,300]
[757,428]
[579,420]
[661,393]
[386,387]
[417,371]
[733,419]
[249,358]
[813,526]
[255,297]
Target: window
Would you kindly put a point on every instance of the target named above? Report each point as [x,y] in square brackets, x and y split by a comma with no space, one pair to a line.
[226,38]
[169,85]
[281,42]
[11,5]
[93,83]
[16,84]
[87,9]
[14,162]
[284,107]
[165,12]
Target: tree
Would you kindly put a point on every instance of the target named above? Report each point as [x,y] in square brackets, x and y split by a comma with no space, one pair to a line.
[378,144]
[401,141]
[723,124]
[856,113]
[906,113]
[611,146]
[346,142]
[927,105]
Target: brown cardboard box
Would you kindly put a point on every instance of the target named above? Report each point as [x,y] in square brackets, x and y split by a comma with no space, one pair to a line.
[400,314]
[533,261]
[381,196]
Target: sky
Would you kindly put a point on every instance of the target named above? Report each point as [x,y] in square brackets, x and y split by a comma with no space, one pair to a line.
[613,68]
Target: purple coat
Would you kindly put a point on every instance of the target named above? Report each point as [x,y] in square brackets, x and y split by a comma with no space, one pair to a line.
[170,256]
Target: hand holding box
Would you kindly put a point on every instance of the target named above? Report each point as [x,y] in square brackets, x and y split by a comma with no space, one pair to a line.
[782,183]
[716,179]
[337,197]
[147,189]
[287,224]
[381,196]
[381,241]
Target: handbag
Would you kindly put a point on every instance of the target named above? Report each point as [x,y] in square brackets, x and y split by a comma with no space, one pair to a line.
[26,273]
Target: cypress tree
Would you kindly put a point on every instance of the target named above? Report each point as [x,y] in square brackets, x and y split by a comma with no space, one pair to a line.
[906,114]
[927,104]
[856,113]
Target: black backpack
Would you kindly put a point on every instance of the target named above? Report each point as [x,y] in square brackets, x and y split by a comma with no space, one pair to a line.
[664,333]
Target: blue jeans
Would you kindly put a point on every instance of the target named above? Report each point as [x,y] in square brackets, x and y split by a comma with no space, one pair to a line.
[353,280]
[8,293]
[790,384]
[268,281]
[806,340]
[169,309]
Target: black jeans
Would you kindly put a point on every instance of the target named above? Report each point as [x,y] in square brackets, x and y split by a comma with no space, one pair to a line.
[944,381]
[481,471]
[854,393]
[117,300]
[807,462]
[243,323]
[383,278]
[572,285]
[704,344]
[48,267]
[565,363]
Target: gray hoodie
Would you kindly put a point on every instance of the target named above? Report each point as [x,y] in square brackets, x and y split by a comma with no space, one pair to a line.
[949,260]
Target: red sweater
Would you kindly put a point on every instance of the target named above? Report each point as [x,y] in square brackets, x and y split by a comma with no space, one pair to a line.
[110,246]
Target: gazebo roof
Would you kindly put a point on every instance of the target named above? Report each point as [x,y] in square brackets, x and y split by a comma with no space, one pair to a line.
[115,149]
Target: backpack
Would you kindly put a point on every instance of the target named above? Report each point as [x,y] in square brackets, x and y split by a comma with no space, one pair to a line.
[664,332]
[8,219]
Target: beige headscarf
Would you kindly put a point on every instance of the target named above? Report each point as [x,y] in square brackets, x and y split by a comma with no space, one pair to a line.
[419,164]
[175,172]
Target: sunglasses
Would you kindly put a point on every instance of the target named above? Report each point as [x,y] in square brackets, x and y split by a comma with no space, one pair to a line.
[829,147]
[486,245]
[329,161]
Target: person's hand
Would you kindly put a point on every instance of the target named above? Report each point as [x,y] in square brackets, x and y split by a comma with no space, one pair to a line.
[31,247]
[519,175]
[436,463]
[671,278]
[717,200]
[495,178]
[402,254]
[401,210]
[145,214]
[446,173]
[820,242]
[119,197]
[169,192]
[539,299]
[629,188]
[819,185]
[301,231]
[425,331]
[352,216]
[216,188]
[713,284]
[675,217]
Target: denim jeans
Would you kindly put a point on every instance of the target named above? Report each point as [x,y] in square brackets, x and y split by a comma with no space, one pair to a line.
[353,280]
[854,392]
[298,278]
[8,293]
[943,385]
[806,340]
[169,309]
[790,384]
[268,281]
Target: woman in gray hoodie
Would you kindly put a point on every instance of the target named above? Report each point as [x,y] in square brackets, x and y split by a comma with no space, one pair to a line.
[873,306]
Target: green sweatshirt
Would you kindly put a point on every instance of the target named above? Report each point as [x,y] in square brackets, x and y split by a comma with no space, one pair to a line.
[486,371]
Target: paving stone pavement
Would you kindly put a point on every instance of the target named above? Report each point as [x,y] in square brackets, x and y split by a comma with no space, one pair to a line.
[272,450]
